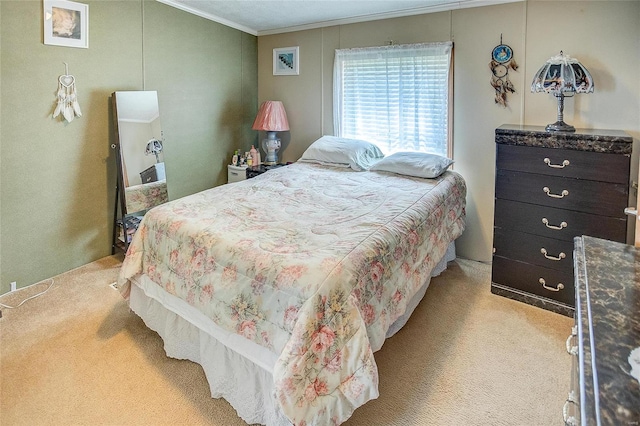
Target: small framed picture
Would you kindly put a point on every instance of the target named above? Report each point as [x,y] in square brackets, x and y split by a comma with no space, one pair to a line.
[66,23]
[286,61]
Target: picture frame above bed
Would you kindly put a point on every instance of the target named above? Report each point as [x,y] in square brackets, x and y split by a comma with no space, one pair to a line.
[286,61]
[66,23]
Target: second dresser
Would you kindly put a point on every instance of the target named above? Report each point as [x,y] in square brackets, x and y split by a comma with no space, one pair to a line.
[551,187]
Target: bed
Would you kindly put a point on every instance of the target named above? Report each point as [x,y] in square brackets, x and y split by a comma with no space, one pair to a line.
[146,195]
[284,285]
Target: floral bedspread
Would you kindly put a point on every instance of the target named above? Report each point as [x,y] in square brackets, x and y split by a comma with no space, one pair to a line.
[146,195]
[313,262]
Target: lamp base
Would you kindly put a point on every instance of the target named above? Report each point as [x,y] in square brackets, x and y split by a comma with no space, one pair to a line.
[271,146]
[560,126]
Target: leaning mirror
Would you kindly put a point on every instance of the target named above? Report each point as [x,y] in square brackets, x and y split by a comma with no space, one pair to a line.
[141,150]
[142,182]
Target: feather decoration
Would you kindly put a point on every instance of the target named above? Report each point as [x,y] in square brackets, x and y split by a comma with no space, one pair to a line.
[67,98]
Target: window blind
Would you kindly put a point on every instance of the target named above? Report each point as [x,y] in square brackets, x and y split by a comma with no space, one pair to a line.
[394,96]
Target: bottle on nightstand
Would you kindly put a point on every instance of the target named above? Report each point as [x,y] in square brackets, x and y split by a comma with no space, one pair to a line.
[254,156]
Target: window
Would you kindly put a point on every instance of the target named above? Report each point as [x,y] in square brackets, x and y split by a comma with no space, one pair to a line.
[394,96]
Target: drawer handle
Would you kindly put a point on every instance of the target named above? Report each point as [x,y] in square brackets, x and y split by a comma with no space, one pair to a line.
[544,284]
[572,350]
[564,164]
[631,211]
[548,192]
[234,173]
[569,420]
[560,256]
[558,228]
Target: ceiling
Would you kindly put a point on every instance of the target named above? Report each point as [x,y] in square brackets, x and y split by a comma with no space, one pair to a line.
[137,107]
[264,17]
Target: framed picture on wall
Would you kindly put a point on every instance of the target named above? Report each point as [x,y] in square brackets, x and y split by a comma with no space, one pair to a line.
[66,23]
[286,61]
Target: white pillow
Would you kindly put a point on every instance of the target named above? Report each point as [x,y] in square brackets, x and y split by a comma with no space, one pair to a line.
[418,164]
[355,153]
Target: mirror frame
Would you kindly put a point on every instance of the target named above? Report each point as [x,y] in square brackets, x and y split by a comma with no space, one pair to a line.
[125,223]
[120,195]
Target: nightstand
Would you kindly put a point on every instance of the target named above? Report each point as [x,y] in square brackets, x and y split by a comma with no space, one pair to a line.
[254,171]
[235,173]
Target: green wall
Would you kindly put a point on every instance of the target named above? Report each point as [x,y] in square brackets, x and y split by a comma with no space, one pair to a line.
[57,179]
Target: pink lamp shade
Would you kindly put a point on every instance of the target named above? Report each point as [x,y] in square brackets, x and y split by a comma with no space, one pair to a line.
[271,117]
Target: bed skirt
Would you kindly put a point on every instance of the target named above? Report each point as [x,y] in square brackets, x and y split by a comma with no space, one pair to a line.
[237,369]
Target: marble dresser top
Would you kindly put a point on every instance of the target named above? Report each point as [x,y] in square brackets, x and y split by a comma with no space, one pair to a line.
[609,141]
[608,319]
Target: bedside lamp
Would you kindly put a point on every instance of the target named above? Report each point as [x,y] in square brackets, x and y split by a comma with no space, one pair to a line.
[562,76]
[271,118]
[154,146]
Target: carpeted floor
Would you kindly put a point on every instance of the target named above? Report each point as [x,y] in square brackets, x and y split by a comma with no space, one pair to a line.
[78,356]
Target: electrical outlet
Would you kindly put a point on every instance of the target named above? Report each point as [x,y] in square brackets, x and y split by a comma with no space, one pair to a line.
[13,286]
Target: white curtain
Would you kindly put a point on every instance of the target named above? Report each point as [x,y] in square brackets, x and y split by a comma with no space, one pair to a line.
[394,96]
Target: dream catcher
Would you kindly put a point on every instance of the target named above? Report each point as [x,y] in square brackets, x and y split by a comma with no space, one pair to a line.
[67,99]
[501,61]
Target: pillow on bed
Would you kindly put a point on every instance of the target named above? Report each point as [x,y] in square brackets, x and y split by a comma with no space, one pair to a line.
[418,164]
[355,153]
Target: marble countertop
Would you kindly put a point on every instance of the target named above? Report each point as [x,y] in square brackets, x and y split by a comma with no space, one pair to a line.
[608,319]
[596,140]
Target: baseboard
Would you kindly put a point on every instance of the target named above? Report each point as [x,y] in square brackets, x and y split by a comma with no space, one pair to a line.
[532,299]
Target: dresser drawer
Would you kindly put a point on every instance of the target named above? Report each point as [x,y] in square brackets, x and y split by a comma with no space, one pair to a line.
[533,279]
[542,251]
[560,224]
[587,196]
[564,162]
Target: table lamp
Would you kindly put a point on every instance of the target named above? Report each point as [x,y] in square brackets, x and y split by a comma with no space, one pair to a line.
[154,146]
[271,118]
[562,76]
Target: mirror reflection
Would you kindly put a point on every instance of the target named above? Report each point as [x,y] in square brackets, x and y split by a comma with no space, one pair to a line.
[141,150]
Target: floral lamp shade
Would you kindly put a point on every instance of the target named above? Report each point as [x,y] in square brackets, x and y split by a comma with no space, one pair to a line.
[562,76]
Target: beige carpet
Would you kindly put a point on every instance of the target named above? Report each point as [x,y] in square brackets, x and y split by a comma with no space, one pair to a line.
[77,356]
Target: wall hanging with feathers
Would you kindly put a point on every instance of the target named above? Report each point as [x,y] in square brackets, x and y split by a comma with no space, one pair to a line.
[67,97]
[501,61]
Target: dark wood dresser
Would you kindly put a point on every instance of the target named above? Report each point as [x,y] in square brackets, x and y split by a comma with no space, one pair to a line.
[551,187]
[607,331]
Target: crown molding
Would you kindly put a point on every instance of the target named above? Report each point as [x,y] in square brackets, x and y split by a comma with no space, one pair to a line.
[441,7]
[210,17]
